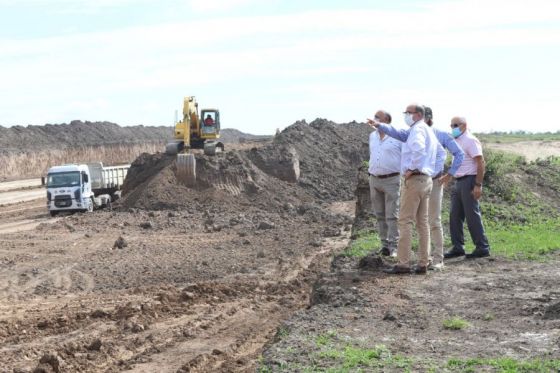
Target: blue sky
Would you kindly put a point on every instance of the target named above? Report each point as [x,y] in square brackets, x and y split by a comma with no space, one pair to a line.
[267,64]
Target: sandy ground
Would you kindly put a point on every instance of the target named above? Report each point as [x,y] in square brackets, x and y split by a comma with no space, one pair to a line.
[172,296]
[531,150]
[19,184]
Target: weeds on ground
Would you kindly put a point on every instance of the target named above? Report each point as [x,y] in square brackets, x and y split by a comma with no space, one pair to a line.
[455,323]
[508,365]
[325,338]
[352,359]
[365,243]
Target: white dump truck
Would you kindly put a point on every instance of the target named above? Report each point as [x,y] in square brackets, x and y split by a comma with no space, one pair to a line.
[83,187]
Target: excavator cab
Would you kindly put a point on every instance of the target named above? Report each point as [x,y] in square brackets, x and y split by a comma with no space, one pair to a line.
[210,122]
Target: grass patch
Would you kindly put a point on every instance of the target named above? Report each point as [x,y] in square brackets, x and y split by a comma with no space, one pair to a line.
[365,243]
[325,338]
[508,365]
[282,333]
[455,323]
[533,240]
[353,359]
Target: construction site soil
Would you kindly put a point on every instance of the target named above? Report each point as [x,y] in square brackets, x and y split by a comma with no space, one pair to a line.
[177,278]
[31,138]
[211,278]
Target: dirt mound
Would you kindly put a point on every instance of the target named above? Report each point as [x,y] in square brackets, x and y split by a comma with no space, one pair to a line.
[233,136]
[78,134]
[303,165]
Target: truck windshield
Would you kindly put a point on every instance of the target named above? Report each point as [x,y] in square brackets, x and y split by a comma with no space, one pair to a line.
[63,179]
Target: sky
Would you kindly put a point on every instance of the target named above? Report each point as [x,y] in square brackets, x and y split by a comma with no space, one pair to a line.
[269,63]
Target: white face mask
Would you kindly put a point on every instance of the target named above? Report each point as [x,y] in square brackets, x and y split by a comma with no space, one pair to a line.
[408,119]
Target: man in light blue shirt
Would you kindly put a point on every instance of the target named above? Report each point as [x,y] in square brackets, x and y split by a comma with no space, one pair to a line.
[446,141]
[418,162]
[385,184]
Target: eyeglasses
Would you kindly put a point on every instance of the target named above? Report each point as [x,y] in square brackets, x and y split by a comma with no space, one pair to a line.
[455,125]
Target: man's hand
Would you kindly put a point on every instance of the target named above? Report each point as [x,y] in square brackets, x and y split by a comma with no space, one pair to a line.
[444,179]
[373,123]
[477,192]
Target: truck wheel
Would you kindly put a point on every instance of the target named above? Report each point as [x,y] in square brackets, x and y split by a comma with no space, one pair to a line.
[53,213]
[90,206]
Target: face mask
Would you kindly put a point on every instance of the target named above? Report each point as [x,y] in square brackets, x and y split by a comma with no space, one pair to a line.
[456,132]
[408,119]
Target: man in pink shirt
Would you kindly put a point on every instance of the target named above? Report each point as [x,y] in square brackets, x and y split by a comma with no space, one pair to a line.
[465,195]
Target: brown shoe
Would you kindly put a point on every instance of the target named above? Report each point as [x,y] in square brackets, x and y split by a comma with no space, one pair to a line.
[420,270]
[397,270]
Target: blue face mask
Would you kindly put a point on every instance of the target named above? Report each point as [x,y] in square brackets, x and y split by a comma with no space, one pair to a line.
[456,132]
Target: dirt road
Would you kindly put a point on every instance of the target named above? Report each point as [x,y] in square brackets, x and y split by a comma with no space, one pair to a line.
[531,150]
[6,186]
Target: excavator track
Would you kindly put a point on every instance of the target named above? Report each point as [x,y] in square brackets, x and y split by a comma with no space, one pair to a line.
[213,147]
[174,147]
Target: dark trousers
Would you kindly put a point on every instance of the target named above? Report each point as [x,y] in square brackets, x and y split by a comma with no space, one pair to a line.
[464,206]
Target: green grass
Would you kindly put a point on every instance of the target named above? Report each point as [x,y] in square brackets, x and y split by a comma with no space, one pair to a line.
[364,244]
[325,338]
[510,137]
[532,240]
[354,359]
[504,365]
[455,323]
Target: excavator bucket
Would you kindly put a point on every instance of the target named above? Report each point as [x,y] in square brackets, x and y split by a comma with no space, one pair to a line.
[186,169]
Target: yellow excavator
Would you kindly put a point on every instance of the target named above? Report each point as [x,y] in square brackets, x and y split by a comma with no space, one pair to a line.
[194,131]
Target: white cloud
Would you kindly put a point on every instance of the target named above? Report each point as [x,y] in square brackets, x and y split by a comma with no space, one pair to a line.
[216,5]
[97,74]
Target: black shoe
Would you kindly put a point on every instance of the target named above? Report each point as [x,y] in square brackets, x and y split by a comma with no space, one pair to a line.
[396,270]
[385,251]
[478,254]
[420,270]
[453,254]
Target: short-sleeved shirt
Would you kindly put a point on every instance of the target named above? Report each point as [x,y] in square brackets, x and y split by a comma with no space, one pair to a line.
[472,148]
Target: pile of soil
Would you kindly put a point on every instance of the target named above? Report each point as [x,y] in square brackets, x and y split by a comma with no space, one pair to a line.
[80,134]
[305,164]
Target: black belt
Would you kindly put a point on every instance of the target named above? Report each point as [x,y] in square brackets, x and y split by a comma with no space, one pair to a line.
[417,173]
[463,177]
[386,176]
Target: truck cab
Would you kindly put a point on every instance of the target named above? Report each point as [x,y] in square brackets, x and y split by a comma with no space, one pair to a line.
[69,189]
[83,187]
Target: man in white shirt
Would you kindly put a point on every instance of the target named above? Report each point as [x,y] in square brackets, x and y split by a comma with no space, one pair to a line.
[465,195]
[418,161]
[385,184]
